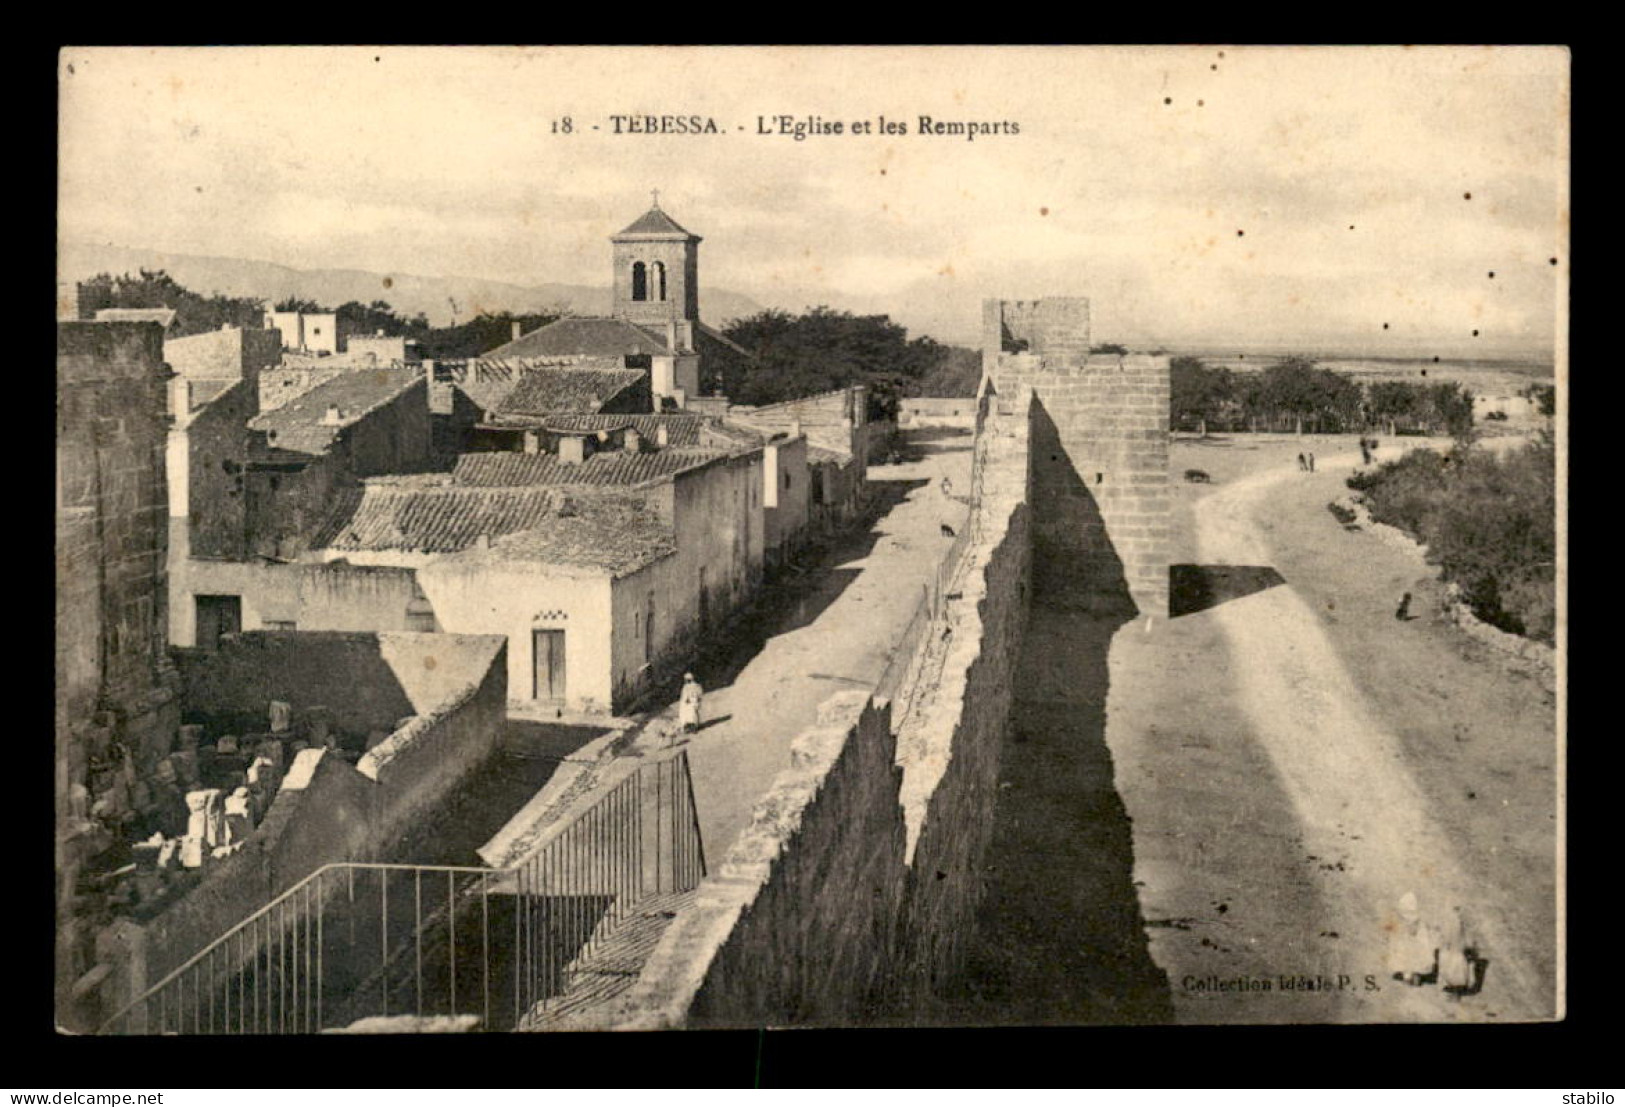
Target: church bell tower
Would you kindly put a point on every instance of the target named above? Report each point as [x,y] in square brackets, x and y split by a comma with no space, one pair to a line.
[657,271]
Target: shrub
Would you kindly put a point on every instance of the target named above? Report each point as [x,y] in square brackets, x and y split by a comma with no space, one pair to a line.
[1489,522]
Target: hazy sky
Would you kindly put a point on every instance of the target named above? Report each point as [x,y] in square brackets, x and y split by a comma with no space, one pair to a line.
[1346,172]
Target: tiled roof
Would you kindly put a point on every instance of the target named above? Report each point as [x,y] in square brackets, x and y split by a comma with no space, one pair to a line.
[618,533]
[298,425]
[584,334]
[681,430]
[544,391]
[655,221]
[734,435]
[612,467]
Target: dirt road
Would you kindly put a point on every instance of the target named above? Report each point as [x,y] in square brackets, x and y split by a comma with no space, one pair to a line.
[1319,762]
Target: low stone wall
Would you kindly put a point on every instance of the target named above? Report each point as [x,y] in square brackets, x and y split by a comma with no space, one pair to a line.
[326,809]
[418,764]
[847,898]
[809,892]
[1458,611]
[950,743]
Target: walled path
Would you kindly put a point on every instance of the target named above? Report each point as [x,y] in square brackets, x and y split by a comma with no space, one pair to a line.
[839,636]
[1320,760]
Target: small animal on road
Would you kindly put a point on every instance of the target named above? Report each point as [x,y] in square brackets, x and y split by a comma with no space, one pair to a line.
[947,531]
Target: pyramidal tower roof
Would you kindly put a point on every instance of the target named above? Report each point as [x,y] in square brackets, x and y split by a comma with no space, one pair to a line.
[655,221]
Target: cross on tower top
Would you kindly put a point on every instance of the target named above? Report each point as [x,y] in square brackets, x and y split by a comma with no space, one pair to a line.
[654,194]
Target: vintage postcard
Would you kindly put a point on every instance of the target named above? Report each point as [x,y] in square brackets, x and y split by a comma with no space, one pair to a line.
[561,539]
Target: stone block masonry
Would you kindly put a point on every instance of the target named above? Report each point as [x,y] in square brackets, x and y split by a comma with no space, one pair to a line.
[845,900]
[116,711]
[1101,494]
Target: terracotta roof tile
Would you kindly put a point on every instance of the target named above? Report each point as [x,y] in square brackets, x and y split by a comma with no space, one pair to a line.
[614,532]
[681,430]
[612,467]
[585,391]
[298,424]
[593,335]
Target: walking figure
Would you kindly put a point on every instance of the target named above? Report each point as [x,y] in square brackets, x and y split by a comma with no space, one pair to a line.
[1404,612]
[947,487]
[1311,463]
[1303,466]
[1365,452]
[688,704]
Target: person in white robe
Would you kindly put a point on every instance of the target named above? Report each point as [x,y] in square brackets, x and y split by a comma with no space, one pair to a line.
[1413,946]
[688,704]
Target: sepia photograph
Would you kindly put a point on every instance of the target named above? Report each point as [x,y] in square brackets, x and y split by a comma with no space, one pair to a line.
[558,539]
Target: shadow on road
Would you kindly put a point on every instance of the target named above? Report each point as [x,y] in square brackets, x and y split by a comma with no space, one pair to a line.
[1193,588]
[1060,937]
[793,598]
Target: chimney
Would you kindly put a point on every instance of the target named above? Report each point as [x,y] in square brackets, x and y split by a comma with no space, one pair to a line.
[795,428]
[333,417]
[662,437]
[483,542]
[572,449]
[533,443]
[633,442]
[517,330]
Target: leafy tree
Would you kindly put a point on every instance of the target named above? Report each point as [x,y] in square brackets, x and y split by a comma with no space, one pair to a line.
[1392,402]
[823,349]
[959,373]
[1544,397]
[358,318]
[1198,394]
[295,303]
[483,333]
[154,288]
[1295,390]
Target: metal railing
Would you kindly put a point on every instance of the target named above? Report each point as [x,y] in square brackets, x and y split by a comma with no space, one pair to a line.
[358,939]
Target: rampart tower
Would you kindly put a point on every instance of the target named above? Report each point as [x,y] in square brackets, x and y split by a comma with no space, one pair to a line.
[1101,499]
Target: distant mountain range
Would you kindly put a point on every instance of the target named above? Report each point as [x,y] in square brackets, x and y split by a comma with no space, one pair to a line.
[406,293]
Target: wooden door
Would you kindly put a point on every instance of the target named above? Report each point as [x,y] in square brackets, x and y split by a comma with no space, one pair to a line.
[548,650]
